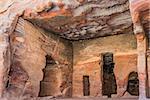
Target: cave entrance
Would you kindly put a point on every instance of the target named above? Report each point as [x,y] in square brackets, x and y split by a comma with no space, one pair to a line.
[133,84]
[109,85]
[86,86]
[49,82]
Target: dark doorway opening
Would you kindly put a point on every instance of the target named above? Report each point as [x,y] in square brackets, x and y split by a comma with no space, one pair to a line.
[133,84]
[109,85]
[86,86]
[47,85]
[49,61]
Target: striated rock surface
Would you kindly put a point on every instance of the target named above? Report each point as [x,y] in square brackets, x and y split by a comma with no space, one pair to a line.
[29,46]
[140,11]
[86,19]
[70,19]
[77,19]
[9,12]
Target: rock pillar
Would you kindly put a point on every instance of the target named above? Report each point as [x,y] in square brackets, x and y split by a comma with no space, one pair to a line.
[141,66]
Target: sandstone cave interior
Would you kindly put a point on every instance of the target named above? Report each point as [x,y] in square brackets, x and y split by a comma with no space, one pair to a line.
[79,49]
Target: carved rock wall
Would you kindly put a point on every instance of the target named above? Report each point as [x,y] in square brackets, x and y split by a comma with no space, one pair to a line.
[10,10]
[140,16]
[79,20]
[29,46]
[88,61]
[148,77]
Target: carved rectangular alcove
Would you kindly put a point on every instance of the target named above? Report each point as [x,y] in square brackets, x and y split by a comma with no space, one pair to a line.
[109,85]
[86,86]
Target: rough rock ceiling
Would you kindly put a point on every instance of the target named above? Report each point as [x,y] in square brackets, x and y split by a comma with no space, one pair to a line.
[83,19]
[146,20]
[75,19]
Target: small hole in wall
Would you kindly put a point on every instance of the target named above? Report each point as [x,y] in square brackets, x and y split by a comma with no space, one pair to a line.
[49,60]
[86,86]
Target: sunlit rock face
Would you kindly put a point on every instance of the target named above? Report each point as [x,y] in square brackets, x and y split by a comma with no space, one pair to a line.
[86,19]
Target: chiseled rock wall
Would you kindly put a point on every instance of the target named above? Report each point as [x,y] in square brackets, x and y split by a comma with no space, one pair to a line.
[87,60]
[148,73]
[29,46]
[124,65]
[10,10]
[140,17]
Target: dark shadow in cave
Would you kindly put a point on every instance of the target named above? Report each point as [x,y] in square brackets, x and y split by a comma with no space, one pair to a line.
[109,85]
[133,84]
[86,86]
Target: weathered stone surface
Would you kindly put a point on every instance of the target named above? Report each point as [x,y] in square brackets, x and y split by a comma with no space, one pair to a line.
[148,72]
[88,61]
[75,20]
[79,18]
[123,67]
[50,86]
[87,19]
[9,12]
[140,17]
[29,46]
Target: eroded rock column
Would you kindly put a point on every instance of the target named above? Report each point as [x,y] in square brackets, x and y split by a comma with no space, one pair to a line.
[141,65]
[136,7]
[141,51]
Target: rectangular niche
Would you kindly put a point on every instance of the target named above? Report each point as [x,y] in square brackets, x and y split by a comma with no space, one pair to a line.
[86,86]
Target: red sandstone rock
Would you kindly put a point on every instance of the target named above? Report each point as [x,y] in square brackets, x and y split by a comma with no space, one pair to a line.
[75,19]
